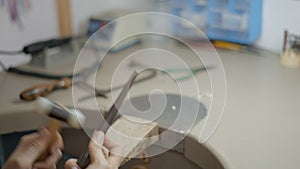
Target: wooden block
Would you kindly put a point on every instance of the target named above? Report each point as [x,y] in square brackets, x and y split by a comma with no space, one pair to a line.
[134,135]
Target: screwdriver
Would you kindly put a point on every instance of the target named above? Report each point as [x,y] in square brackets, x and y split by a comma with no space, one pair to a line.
[36,91]
[43,90]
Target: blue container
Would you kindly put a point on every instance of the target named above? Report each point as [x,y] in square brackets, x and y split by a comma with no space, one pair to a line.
[237,21]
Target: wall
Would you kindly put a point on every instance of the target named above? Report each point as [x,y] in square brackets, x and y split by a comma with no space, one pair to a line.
[40,22]
[82,10]
[277,16]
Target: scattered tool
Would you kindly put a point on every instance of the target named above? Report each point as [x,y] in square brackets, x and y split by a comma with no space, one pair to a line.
[37,91]
[103,92]
[38,47]
[57,112]
[189,73]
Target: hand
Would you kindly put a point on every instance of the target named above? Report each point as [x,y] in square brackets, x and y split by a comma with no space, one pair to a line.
[31,147]
[98,159]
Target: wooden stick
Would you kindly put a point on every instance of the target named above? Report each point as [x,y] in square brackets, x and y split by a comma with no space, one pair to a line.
[64,17]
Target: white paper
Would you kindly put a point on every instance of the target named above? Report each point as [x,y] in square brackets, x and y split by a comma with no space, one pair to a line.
[14,60]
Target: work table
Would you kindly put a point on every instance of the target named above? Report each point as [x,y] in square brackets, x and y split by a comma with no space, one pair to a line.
[259,128]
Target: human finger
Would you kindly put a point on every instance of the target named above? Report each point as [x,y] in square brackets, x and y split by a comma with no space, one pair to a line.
[115,150]
[31,146]
[50,161]
[71,164]
[95,147]
[58,143]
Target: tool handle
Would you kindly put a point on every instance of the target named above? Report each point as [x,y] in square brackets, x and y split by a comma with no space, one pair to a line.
[53,127]
[36,91]
[84,160]
[38,47]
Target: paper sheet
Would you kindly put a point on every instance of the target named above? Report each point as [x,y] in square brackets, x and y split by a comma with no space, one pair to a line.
[14,60]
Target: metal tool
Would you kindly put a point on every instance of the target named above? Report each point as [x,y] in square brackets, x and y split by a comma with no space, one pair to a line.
[110,117]
[103,92]
[189,73]
[43,90]
[40,46]
[57,112]
[39,90]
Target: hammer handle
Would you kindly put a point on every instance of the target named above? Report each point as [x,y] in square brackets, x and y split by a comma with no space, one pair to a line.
[36,91]
[53,127]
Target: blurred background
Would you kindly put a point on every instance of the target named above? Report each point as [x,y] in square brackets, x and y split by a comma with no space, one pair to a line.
[26,21]
[260,127]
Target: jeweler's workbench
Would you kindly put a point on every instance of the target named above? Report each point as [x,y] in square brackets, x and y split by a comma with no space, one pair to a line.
[259,128]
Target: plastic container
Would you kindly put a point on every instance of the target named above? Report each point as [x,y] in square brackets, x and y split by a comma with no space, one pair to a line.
[237,21]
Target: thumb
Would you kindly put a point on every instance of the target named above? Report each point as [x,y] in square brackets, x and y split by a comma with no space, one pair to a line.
[95,147]
[71,164]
